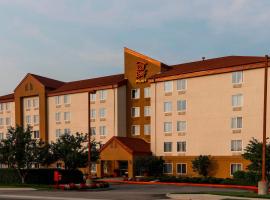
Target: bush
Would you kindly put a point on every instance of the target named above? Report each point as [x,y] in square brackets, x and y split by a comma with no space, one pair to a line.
[40,176]
[247,178]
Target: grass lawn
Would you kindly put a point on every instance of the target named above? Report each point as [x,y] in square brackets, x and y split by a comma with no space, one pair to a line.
[247,194]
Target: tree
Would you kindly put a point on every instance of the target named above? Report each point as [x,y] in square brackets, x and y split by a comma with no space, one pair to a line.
[253,152]
[201,165]
[150,165]
[72,150]
[19,150]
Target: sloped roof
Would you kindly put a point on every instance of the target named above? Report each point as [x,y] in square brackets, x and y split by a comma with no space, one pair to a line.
[7,98]
[48,82]
[90,83]
[134,145]
[210,64]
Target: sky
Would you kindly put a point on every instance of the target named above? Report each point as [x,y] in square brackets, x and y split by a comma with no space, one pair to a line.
[79,39]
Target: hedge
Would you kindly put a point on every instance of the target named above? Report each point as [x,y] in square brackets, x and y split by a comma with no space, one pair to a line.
[40,176]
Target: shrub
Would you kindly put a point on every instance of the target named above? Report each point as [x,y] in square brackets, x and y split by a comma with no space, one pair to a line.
[201,165]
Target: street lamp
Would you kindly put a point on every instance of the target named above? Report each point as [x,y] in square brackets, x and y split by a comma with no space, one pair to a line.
[89,178]
[263,184]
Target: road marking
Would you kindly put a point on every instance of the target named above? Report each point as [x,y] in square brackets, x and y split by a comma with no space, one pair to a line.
[43,198]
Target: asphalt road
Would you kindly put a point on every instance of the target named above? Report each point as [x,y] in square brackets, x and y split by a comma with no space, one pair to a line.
[117,192]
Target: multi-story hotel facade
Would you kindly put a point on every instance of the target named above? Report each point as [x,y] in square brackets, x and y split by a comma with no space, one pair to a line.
[208,107]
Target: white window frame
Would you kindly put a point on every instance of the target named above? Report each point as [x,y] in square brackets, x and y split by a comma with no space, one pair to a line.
[181,150]
[171,167]
[147,92]
[93,113]
[36,102]
[234,148]
[136,94]
[181,82]
[67,99]
[135,130]
[67,116]
[135,112]
[164,127]
[2,121]
[181,168]
[67,131]
[102,130]
[8,121]
[58,116]
[1,135]
[171,147]
[103,95]
[58,133]
[241,166]
[102,113]
[169,107]
[36,119]
[235,121]
[8,106]
[1,107]
[28,119]
[28,103]
[235,77]
[57,100]
[147,129]
[34,134]
[180,104]
[93,131]
[168,86]
[93,97]
[179,126]
[238,99]
[147,111]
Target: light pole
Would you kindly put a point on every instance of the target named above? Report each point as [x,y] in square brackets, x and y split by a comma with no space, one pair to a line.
[263,184]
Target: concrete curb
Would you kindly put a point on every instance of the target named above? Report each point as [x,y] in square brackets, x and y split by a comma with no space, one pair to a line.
[251,188]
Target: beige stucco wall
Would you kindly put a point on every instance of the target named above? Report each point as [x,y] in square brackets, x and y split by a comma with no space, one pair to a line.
[209,113]
[7,114]
[78,109]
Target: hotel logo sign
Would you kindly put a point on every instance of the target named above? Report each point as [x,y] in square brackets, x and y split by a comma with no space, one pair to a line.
[141,72]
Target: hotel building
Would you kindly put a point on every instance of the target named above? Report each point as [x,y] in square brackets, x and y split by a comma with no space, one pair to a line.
[208,107]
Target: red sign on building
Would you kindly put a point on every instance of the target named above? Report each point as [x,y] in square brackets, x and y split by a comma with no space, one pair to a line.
[141,72]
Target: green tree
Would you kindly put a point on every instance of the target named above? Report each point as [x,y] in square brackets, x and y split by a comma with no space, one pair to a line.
[253,152]
[150,165]
[19,150]
[201,165]
[72,150]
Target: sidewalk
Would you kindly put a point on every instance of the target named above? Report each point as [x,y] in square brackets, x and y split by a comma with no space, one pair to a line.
[206,197]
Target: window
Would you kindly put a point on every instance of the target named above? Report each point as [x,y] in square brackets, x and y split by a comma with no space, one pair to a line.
[58,133]
[181,84]
[181,146]
[1,136]
[181,168]
[147,111]
[92,113]
[181,126]
[8,121]
[36,119]
[135,112]
[28,119]
[237,100]
[168,86]
[237,77]
[235,167]
[58,100]
[167,106]
[58,116]
[135,129]
[36,103]
[36,134]
[93,130]
[135,93]
[66,99]
[93,167]
[147,92]
[181,105]
[93,97]
[67,116]
[102,95]
[102,130]
[236,123]
[67,131]
[167,168]
[28,104]
[1,121]
[236,145]
[102,112]
[7,106]
[167,127]
[167,146]
[1,107]
[147,129]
